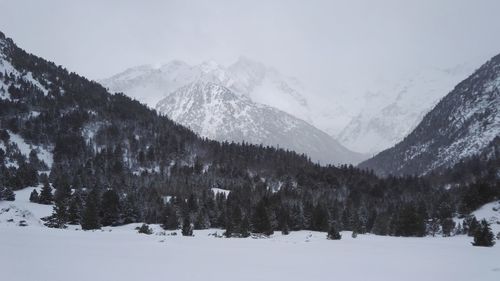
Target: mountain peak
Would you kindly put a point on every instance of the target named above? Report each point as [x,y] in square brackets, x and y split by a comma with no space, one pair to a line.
[210,66]
[205,88]
[216,112]
[245,77]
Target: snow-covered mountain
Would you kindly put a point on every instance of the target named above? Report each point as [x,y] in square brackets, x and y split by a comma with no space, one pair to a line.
[390,111]
[216,112]
[463,123]
[246,77]
[239,99]
[380,118]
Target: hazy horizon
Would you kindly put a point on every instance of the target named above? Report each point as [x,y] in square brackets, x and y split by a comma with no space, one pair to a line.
[328,45]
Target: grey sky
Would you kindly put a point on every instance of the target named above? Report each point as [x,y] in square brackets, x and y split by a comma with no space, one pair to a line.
[320,42]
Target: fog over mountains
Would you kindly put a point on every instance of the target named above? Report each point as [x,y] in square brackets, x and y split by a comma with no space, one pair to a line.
[246,101]
[391,110]
[382,116]
[464,124]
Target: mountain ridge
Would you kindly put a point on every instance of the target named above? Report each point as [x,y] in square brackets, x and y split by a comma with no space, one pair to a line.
[463,123]
[215,112]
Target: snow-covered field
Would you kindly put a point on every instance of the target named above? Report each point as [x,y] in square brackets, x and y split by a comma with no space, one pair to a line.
[35,252]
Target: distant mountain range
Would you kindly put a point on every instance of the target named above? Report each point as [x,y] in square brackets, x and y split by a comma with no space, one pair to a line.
[246,101]
[390,111]
[464,123]
[216,112]
[246,77]
[375,121]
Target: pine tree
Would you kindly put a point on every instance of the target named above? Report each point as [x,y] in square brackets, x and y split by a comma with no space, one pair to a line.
[319,219]
[484,236]
[170,218]
[62,192]
[470,225]
[90,218]
[459,230]
[285,230]
[75,205]
[410,223]
[34,196]
[187,227]
[261,220]
[245,227]
[59,215]
[7,194]
[202,221]
[46,197]
[110,208]
[130,212]
[229,228]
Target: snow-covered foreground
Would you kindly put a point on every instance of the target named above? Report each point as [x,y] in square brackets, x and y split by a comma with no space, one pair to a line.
[38,253]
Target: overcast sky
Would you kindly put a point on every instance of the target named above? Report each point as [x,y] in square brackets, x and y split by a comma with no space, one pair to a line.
[320,42]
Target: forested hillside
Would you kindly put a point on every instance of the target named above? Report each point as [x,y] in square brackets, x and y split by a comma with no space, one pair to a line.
[114,161]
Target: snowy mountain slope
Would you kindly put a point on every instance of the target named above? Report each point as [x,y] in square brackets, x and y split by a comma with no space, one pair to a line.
[7,68]
[215,112]
[491,213]
[267,86]
[462,124]
[13,212]
[15,144]
[260,83]
[387,112]
[148,84]
[392,111]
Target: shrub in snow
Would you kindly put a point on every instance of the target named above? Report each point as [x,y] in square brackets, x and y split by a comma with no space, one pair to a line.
[7,194]
[333,234]
[447,226]
[354,234]
[470,225]
[215,234]
[145,229]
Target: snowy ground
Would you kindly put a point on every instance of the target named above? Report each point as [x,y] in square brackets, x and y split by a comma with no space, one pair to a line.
[490,212]
[34,252]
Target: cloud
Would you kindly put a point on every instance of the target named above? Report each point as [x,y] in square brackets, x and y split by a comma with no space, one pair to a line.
[328,44]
